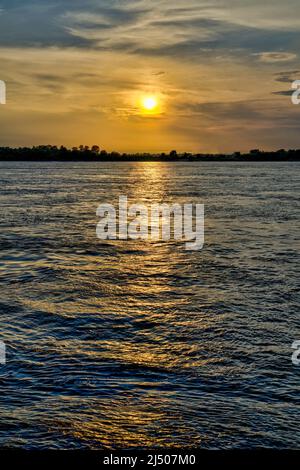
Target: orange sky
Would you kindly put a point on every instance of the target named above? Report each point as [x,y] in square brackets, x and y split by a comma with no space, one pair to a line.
[221,72]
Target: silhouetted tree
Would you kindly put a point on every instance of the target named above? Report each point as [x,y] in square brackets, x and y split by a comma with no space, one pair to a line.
[95,149]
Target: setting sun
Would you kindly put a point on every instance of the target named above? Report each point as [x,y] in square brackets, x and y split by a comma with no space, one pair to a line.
[149,103]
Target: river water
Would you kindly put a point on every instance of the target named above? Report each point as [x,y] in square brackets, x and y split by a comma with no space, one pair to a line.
[144,344]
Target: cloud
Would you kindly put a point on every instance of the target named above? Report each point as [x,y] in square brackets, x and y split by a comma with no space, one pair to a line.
[220,111]
[287,76]
[192,29]
[274,57]
[181,33]
[34,24]
[283,93]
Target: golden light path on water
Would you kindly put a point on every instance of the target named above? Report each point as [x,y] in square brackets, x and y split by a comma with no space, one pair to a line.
[143,269]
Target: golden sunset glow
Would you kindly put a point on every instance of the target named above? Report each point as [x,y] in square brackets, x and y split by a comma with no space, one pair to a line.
[142,76]
[149,103]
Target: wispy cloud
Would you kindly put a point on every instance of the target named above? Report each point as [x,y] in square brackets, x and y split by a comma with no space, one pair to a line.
[274,57]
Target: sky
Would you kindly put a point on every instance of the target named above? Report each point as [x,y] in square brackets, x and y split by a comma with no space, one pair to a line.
[220,70]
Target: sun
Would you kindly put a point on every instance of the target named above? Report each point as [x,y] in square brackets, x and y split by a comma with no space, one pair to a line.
[149,103]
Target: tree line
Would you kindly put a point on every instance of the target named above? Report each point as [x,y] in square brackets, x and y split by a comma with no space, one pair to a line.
[96,154]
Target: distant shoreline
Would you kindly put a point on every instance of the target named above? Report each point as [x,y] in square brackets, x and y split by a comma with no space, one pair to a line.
[49,153]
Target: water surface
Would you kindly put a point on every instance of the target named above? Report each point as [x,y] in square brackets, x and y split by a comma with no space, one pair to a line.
[123,343]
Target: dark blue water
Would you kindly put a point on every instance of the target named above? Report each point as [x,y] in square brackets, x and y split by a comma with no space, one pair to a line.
[123,343]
